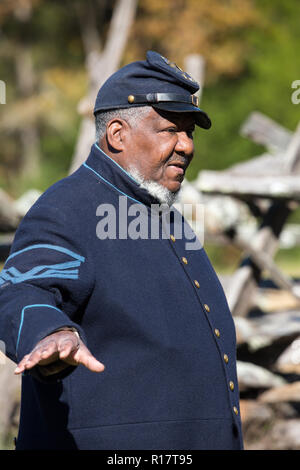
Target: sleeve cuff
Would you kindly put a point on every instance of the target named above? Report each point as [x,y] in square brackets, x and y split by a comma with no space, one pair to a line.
[38,321]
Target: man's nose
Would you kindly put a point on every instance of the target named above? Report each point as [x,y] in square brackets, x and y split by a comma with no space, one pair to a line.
[184,144]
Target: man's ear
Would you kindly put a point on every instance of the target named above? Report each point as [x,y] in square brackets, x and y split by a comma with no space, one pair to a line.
[116,131]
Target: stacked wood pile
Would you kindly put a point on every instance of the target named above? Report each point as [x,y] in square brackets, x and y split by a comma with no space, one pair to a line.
[268,366]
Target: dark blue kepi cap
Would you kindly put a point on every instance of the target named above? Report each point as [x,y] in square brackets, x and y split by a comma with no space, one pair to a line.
[155,82]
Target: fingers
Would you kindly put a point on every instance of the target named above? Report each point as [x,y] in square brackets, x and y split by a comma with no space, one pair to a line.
[56,351]
[44,353]
[67,347]
[83,356]
[20,367]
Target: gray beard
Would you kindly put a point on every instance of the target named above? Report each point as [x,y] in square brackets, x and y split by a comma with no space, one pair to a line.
[160,192]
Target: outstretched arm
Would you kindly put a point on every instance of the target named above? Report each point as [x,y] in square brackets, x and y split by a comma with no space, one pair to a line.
[58,351]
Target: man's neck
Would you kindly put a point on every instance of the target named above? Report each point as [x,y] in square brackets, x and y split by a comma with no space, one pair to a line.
[158,191]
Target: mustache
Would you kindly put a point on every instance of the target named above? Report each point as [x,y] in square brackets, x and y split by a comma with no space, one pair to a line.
[179,160]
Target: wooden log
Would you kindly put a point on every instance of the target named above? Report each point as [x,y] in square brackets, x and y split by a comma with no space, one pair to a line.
[284,435]
[253,376]
[264,331]
[263,130]
[270,300]
[284,393]
[241,292]
[289,361]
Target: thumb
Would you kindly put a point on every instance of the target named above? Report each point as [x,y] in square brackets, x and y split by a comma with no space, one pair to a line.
[83,356]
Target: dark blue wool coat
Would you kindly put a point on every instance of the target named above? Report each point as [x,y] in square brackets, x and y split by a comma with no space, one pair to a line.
[152,310]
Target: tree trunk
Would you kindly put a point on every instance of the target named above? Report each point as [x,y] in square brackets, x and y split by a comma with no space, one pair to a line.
[100,67]
[30,149]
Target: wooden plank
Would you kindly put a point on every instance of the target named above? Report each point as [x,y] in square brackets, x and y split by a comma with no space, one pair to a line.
[242,186]
[264,164]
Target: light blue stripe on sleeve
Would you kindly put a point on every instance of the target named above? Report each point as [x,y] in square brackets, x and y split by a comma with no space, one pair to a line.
[22,318]
[50,247]
[62,269]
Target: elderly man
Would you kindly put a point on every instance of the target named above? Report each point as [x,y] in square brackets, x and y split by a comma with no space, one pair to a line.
[73,297]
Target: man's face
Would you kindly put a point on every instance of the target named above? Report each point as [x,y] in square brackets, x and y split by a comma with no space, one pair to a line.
[161,147]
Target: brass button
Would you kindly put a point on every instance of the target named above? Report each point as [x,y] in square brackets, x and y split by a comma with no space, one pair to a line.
[130,99]
[226,359]
[231,385]
[217,332]
[206,307]
[184,260]
[197,284]
[172,238]
[236,411]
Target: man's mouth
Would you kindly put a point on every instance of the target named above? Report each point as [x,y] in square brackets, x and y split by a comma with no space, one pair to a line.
[179,167]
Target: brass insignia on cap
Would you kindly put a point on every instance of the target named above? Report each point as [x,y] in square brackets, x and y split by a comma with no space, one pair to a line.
[179,70]
[130,99]
[171,64]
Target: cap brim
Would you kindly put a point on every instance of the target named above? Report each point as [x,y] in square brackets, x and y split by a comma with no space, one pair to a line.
[201,118]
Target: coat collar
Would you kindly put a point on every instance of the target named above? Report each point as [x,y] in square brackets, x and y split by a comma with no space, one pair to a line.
[115,176]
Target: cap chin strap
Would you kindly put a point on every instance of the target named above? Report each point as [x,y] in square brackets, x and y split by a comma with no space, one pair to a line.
[163,97]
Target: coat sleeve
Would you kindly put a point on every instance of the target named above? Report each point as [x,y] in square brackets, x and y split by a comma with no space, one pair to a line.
[46,279]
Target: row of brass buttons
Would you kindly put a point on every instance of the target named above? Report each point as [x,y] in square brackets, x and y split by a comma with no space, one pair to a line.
[217,332]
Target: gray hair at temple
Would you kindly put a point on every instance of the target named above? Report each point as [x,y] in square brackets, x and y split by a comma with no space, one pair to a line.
[130,115]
